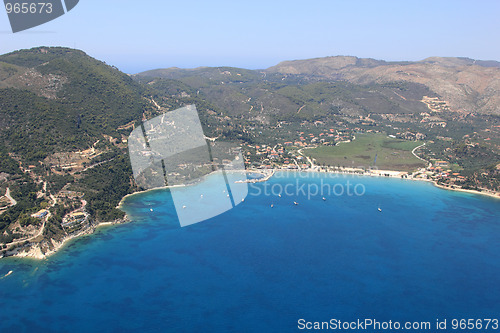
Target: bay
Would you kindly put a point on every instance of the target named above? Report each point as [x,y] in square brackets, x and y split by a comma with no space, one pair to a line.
[428,254]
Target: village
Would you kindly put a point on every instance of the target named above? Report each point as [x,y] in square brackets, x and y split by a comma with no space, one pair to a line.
[290,155]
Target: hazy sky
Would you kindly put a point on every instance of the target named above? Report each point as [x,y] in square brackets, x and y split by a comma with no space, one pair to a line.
[141,35]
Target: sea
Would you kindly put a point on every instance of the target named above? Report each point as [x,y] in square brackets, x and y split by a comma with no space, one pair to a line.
[303,251]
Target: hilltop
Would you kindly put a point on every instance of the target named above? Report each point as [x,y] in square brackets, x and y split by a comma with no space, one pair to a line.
[468,85]
[61,143]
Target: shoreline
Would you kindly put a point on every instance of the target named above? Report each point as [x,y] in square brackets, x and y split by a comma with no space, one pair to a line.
[397,174]
[34,252]
[495,195]
[119,206]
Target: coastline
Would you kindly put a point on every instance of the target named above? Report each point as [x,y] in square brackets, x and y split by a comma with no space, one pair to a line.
[397,174]
[490,194]
[120,204]
[269,173]
[34,251]
[495,195]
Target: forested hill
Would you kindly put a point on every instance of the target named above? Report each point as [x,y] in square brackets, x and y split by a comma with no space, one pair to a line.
[63,120]
[56,98]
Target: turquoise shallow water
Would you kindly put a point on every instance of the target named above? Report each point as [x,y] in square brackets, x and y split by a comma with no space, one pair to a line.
[429,254]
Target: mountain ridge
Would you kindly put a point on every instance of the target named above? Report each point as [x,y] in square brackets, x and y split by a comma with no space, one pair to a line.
[468,85]
[372,62]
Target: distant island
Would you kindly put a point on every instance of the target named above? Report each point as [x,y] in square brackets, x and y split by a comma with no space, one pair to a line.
[65,119]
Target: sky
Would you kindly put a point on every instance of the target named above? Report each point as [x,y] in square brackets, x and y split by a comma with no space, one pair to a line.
[141,35]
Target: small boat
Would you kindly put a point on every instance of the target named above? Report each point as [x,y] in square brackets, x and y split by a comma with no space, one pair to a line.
[379,209]
[324,199]
[183,207]
[150,209]
[295,203]
[9,273]
[279,195]
[272,205]
[201,196]
[242,200]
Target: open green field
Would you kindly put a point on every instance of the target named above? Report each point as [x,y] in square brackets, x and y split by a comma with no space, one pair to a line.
[392,154]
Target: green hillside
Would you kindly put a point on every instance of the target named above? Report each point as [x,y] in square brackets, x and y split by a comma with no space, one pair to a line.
[56,102]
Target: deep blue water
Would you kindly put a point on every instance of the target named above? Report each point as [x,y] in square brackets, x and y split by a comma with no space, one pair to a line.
[429,254]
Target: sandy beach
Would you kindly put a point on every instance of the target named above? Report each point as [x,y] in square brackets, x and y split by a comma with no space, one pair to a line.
[390,174]
[34,251]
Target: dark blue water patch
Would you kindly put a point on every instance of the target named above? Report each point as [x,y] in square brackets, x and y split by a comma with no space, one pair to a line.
[428,254]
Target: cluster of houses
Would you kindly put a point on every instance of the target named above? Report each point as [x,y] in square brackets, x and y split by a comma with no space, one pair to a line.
[410,136]
[330,137]
[441,170]
[267,157]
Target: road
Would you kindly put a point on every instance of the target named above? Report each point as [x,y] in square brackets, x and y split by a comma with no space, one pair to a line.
[40,232]
[297,164]
[45,219]
[13,202]
[97,164]
[307,157]
[211,139]
[413,152]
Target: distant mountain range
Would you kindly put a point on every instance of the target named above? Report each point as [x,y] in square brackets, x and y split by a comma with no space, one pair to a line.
[468,85]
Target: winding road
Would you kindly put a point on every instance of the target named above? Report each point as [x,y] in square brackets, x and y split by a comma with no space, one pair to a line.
[12,200]
[46,218]
[413,152]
